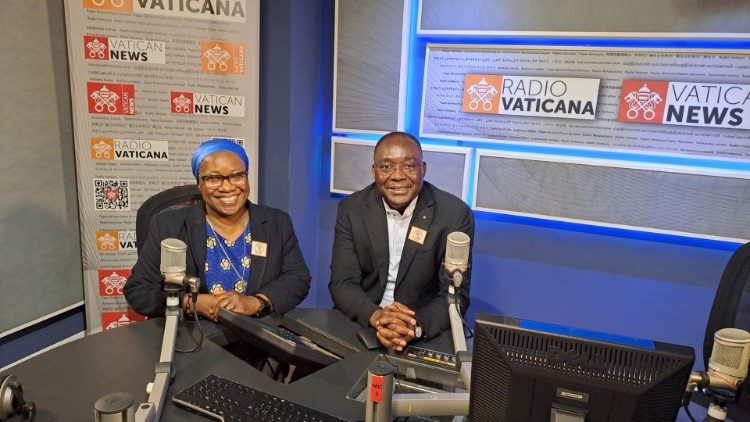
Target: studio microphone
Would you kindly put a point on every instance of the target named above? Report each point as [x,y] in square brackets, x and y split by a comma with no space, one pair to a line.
[457,257]
[727,366]
[730,356]
[173,266]
[455,269]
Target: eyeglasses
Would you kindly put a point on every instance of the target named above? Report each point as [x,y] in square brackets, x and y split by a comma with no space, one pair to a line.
[214,181]
[389,168]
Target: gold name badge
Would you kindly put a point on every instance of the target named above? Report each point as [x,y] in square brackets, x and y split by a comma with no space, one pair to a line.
[259,248]
[417,235]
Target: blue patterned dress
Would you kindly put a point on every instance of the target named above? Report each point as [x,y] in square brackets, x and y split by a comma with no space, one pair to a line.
[227,262]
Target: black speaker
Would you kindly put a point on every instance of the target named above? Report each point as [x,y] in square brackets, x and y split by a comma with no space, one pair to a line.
[11,399]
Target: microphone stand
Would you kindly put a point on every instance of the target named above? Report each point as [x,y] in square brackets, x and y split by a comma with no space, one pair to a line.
[151,409]
[720,399]
[382,404]
[457,328]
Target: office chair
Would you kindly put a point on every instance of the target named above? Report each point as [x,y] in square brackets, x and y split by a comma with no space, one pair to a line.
[731,308]
[176,197]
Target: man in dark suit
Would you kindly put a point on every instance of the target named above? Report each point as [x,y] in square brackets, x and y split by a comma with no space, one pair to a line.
[389,245]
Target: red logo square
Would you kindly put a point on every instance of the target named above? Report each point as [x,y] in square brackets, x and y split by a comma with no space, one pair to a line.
[112,320]
[111,98]
[95,48]
[642,101]
[182,102]
[111,282]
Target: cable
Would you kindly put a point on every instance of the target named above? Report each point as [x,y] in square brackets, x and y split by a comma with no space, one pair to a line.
[396,380]
[468,329]
[391,363]
[687,410]
[200,330]
[464,323]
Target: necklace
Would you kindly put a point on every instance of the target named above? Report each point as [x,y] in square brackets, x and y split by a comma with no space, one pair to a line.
[220,239]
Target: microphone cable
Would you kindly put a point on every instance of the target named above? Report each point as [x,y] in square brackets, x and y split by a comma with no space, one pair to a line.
[687,411]
[200,330]
[468,332]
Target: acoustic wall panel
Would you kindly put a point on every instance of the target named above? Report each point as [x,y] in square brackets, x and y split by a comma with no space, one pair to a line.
[656,198]
[350,165]
[610,18]
[447,167]
[371,45]
[40,240]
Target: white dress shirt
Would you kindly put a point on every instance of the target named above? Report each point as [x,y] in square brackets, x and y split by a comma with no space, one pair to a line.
[398,228]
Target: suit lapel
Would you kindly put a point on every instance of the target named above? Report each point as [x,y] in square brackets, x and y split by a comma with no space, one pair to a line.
[196,225]
[377,230]
[421,219]
[259,233]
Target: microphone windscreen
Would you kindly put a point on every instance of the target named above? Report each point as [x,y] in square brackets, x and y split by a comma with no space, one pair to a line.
[457,250]
[731,352]
[172,256]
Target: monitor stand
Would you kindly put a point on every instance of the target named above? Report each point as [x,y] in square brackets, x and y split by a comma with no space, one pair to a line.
[565,415]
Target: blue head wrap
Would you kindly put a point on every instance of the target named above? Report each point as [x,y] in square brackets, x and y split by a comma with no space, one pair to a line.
[217,145]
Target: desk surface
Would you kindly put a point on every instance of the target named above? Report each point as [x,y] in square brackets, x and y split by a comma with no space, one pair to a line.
[66,381]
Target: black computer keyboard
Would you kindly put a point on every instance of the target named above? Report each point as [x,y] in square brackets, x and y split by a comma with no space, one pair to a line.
[227,400]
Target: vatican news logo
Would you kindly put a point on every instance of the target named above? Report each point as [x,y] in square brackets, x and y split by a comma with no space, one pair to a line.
[182,102]
[111,282]
[111,98]
[95,49]
[642,101]
[207,104]
[222,58]
[112,320]
[123,49]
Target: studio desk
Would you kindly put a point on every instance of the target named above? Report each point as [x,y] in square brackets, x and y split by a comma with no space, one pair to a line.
[65,382]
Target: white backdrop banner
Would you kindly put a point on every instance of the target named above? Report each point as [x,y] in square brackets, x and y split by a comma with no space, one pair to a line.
[149,81]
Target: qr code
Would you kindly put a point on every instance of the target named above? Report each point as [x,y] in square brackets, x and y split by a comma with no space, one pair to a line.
[238,141]
[112,194]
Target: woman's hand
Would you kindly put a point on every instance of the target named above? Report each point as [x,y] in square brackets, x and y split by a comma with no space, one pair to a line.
[235,302]
[202,306]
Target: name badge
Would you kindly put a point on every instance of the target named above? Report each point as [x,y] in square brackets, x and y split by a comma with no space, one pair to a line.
[417,235]
[259,248]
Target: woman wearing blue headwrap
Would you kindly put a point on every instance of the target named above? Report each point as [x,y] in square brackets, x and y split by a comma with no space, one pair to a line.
[246,255]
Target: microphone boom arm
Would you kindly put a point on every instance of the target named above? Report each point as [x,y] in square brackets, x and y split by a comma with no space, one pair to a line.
[152,408]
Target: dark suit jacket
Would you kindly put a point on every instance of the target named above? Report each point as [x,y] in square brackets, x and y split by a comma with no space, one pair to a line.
[282,274]
[359,266]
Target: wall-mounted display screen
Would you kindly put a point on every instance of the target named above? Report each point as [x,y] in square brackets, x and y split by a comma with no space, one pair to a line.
[602,18]
[654,101]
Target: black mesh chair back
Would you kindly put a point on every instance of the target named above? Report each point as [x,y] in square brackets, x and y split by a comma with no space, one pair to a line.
[731,308]
[176,197]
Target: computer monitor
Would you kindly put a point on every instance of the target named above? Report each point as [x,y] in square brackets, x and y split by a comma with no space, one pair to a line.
[533,372]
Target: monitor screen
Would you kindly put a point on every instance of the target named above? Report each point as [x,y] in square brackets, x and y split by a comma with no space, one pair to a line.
[529,371]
